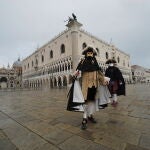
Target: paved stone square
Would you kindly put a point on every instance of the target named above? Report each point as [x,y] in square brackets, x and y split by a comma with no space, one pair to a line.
[38,120]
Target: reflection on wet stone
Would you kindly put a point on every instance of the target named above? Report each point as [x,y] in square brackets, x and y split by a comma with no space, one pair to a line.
[37,119]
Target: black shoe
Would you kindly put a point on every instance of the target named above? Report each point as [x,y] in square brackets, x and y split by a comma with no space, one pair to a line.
[92,119]
[84,124]
[103,106]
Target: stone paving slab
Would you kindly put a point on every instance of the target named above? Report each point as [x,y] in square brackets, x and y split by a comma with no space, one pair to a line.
[5,143]
[76,142]
[38,120]
[57,136]
[133,147]
[145,141]
[29,141]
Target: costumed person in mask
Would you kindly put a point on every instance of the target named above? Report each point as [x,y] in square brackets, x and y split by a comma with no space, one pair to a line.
[117,83]
[91,77]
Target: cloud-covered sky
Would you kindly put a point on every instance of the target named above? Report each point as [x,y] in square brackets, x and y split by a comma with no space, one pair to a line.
[28,24]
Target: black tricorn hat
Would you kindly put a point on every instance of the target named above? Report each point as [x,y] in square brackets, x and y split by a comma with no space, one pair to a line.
[89,49]
[111,61]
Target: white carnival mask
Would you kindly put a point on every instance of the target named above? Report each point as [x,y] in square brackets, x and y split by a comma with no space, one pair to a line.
[111,64]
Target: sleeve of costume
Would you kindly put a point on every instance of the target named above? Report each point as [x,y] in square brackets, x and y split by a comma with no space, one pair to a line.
[100,77]
[121,90]
[106,73]
[77,73]
[119,75]
[79,67]
[100,74]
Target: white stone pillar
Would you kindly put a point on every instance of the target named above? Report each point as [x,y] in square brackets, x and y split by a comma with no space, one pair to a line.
[74,26]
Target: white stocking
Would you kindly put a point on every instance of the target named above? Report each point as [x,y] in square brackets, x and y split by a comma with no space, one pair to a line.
[114,96]
[85,114]
[91,108]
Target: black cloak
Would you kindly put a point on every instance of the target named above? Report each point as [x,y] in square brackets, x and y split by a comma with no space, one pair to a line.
[115,75]
[89,64]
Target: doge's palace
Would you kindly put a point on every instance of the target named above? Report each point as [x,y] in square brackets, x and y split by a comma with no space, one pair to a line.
[52,64]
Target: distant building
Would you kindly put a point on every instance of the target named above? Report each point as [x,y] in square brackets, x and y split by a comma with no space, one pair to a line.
[140,74]
[147,74]
[53,63]
[17,66]
[11,77]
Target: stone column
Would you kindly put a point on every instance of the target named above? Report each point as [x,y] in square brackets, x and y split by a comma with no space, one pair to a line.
[74,27]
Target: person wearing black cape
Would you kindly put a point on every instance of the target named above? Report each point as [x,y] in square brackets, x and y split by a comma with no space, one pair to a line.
[117,83]
[91,77]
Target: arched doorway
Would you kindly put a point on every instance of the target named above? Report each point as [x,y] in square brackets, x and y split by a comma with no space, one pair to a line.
[55,82]
[11,82]
[3,82]
[51,83]
[47,83]
[70,79]
[3,79]
[64,81]
[59,82]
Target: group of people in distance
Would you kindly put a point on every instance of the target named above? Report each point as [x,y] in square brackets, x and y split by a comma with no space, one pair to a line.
[92,89]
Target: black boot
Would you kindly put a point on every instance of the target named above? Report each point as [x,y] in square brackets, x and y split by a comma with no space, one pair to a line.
[84,124]
[92,119]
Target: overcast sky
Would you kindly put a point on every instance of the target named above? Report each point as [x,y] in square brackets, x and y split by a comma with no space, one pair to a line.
[28,24]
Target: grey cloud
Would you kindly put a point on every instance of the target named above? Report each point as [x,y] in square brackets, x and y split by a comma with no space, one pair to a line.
[26,24]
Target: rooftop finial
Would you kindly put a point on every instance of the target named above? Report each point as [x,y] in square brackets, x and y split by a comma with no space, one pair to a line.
[74,16]
[71,19]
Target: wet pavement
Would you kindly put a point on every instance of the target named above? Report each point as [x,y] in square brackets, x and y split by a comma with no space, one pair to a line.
[38,120]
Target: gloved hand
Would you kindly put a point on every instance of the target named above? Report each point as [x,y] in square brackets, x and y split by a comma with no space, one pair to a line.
[76,73]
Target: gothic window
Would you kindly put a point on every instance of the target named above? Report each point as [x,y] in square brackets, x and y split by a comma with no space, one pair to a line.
[68,66]
[62,48]
[60,68]
[42,58]
[57,68]
[51,54]
[118,59]
[52,70]
[32,63]
[65,66]
[28,65]
[84,45]
[71,65]
[123,62]
[107,55]
[36,62]
[97,51]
